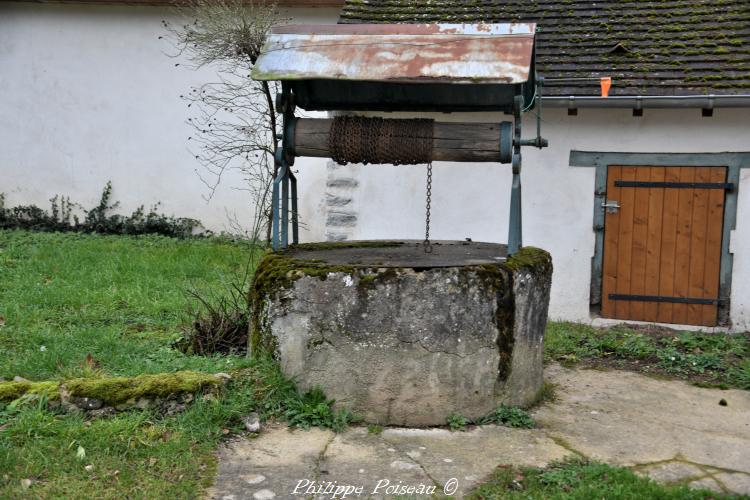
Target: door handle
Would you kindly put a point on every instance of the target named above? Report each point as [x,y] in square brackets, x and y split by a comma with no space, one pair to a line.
[611,206]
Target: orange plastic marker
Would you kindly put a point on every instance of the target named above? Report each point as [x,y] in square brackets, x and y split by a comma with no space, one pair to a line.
[606,84]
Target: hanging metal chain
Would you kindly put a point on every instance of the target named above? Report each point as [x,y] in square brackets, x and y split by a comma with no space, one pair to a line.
[428,203]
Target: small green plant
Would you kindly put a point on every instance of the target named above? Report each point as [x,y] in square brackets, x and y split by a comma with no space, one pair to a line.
[374,429]
[457,422]
[509,416]
[562,476]
[546,394]
[314,409]
[740,373]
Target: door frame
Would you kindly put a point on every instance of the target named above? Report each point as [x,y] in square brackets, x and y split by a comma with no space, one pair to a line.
[601,160]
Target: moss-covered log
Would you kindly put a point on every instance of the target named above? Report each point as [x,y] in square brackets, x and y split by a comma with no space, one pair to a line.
[115,391]
[14,390]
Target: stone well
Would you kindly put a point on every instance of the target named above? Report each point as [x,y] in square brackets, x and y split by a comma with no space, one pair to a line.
[402,337]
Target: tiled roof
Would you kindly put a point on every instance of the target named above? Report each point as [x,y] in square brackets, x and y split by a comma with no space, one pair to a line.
[668,47]
[280,3]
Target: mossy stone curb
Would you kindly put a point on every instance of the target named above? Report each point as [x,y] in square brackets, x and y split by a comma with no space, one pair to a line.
[10,391]
[116,392]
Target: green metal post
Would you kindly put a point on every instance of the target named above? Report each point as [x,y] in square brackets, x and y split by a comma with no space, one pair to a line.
[515,230]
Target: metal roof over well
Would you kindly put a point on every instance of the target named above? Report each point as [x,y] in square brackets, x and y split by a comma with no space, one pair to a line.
[402,53]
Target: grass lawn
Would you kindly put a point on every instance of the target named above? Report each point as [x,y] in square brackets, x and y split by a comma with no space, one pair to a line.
[120,298]
[123,300]
[712,360]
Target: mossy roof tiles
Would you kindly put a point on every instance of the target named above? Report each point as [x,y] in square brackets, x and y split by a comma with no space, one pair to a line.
[669,47]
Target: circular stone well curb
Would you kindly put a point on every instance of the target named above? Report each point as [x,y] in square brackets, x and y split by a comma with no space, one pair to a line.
[401,338]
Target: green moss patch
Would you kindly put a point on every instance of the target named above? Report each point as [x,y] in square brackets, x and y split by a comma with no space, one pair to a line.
[14,390]
[531,259]
[280,270]
[115,390]
[118,390]
[276,272]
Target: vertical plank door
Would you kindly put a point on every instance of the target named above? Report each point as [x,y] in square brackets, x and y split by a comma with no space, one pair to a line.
[662,244]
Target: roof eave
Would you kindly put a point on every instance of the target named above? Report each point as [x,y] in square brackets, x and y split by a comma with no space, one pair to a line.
[705,101]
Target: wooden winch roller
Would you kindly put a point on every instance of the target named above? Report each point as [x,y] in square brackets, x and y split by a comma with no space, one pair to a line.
[459,142]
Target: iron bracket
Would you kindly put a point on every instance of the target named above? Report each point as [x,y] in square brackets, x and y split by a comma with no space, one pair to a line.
[285,180]
[663,299]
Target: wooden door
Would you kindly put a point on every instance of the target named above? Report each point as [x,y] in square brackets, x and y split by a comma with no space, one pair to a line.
[662,246]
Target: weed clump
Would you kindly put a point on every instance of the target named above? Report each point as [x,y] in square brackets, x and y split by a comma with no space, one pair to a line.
[219,327]
[457,422]
[314,409]
[580,478]
[508,416]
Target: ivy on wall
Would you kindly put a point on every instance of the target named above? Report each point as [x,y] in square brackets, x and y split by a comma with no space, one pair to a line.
[99,219]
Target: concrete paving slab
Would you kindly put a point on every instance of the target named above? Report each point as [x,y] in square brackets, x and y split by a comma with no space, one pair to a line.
[360,459]
[315,464]
[706,483]
[672,472]
[669,430]
[735,482]
[624,418]
[266,467]
[470,457]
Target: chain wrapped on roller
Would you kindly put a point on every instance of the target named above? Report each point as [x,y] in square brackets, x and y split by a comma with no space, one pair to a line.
[356,139]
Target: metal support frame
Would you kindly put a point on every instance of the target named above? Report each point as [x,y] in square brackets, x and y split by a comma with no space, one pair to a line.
[285,182]
[515,227]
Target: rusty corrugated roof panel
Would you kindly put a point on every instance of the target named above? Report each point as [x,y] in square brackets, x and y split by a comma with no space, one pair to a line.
[424,53]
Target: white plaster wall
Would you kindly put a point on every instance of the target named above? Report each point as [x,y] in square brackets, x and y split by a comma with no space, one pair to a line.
[472,200]
[88,95]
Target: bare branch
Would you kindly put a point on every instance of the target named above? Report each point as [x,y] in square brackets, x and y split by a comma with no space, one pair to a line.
[233,118]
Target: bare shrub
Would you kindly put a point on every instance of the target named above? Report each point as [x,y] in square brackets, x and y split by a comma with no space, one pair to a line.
[234,128]
[233,118]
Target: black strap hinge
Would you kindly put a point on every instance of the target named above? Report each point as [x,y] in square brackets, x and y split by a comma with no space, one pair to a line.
[727,186]
[661,298]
